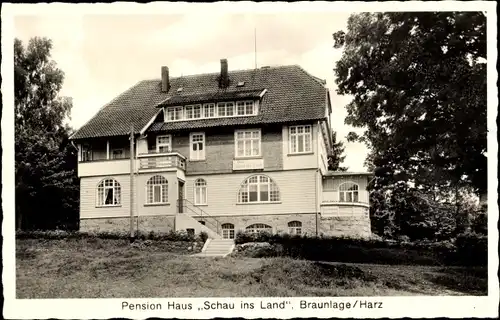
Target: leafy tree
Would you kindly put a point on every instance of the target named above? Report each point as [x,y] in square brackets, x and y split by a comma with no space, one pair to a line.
[45,163]
[337,156]
[418,81]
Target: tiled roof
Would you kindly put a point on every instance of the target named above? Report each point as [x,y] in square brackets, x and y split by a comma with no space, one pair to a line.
[291,95]
[182,99]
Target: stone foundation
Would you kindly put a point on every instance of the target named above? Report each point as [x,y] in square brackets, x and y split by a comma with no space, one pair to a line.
[279,222]
[141,223]
[351,226]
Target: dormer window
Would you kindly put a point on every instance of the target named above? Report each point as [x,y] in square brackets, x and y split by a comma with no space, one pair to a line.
[174,113]
[209,110]
[193,111]
[225,109]
[241,84]
[212,110]
[179,90]
[245,108]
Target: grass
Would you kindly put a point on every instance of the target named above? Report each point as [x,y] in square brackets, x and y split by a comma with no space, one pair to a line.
[96,268]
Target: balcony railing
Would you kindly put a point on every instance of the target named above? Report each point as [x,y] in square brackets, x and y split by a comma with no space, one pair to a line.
[333,197]
[161,160]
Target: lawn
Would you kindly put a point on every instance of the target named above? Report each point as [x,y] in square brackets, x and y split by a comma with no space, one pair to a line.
[97,268]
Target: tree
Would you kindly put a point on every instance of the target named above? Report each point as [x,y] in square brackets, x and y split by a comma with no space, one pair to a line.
[45,163]
[418,81]
[337,156]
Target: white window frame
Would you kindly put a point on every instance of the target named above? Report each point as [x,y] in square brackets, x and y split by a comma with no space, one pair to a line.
[206,110]
[259,227]
[108,184]
[245,104]
[295,227]
[200,192]
[175,111]
[159,145]
[345,192]
[197,155]
[157,182]
[250,139]
[228,105]
[273,191]
[304,136]
[227,231]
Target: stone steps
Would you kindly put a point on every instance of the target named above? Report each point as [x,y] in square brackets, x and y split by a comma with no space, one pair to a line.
[217,248]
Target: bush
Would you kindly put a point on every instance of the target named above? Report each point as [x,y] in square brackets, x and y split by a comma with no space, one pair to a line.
[472,249]
[115,235]
[467,251]
[203,236]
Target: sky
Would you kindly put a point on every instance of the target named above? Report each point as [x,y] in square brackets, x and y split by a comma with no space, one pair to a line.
[104,55]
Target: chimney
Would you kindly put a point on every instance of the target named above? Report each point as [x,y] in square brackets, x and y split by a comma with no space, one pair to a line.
[165,80]
[224,77]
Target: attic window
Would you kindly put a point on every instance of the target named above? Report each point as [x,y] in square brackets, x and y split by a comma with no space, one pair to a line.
[241,84]
[179,90]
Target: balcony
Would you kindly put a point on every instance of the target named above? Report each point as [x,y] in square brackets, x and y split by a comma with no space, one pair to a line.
[154,160]
[332,197]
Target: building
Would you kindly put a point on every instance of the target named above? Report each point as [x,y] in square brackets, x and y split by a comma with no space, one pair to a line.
[221,152]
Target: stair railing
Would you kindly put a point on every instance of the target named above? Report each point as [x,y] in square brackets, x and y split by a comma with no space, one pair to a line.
[184,204]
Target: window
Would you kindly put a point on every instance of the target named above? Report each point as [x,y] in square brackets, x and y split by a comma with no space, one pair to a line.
[86,153]
[174,113]
[295,227]
[193,111]
[200,192]
[258,188]
[118,154]
[348,192]
[157,190]
[163,144]
[197,146]
[108,193]
[247,143]
[209,111]
[227,231]
[300,139]
[259,227]
[244,108]
[225,109]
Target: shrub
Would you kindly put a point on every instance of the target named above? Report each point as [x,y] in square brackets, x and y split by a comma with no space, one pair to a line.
[203,236]
[114,235]
[472,249]
[468,249]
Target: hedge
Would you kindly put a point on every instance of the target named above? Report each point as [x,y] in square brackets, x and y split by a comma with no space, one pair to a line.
[59,234]
[469,249]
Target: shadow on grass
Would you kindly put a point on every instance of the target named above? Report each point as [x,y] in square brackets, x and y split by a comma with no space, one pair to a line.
[471,281]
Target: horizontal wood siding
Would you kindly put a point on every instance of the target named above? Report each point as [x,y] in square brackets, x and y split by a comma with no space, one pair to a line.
[88,197]
[343,210]
[103,168]
[161,209]
[297,193]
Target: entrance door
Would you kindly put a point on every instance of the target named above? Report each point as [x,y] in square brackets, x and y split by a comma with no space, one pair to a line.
[181,196]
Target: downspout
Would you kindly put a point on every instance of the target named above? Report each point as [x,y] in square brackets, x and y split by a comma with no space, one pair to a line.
[316,198]
[132,157]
